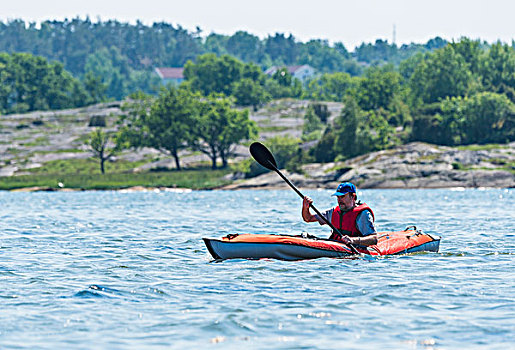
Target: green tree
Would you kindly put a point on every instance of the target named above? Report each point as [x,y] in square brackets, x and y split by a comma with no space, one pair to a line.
[321,111]
[95,87]
[378,52]
[220,127]
[471,51]
[324,151]
[103,147]
[250,93]
[483,118]
[171,122]
[166,124]
[346,143]
[318,54]
[497,70]
[286,151]
[254,72]
[32,83]
[330,87]
[113,69]
[283,77]
[245,46]
[283,50]
[408,66]
[378,89]
[313,126]
[215,43]
[357,132]
[283,85]
[443,73]
[213,74]
[132,127]
[250,90]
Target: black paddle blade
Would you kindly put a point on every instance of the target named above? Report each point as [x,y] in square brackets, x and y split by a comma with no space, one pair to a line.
[263,156]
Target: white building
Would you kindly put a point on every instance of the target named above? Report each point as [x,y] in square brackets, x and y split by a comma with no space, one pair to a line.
[302,73]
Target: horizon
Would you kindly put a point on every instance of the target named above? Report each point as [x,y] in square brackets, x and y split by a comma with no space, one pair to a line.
[396,22]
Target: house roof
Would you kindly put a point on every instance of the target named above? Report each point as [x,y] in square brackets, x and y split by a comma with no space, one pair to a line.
[170,73]
[293,69]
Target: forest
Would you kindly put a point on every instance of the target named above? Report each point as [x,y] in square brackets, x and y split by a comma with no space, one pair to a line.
[124,55]
[448,93]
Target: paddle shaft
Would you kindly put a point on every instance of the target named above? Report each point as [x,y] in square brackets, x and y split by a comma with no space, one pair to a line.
[311,205]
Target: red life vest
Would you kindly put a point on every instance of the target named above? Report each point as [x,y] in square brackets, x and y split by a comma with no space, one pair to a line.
[345,222]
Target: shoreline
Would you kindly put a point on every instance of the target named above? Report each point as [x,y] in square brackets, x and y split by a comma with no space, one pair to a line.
[414,165]
[224,188]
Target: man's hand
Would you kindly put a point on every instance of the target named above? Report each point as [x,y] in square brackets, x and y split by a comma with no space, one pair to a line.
[306,215]
[306,202]
[347,240]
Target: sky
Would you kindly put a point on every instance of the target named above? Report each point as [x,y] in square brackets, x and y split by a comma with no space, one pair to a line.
[349,22]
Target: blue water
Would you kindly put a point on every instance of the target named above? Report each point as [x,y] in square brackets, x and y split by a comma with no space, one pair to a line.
[112,270]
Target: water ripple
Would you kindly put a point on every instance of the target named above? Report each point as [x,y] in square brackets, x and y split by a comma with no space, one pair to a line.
[129,270]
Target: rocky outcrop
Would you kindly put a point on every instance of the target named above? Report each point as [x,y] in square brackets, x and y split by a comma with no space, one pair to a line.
[414,165]
[30,140]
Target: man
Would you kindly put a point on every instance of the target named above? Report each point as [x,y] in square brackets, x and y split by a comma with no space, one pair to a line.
[355,221]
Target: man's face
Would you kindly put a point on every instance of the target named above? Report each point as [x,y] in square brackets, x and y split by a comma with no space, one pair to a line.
[346,201]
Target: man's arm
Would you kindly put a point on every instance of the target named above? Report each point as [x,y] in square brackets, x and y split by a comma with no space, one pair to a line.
[365,224]
[364,241]
[307,216]
[306,213]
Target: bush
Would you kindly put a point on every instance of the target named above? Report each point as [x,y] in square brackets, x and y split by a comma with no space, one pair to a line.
[312,121]
[321,111]
[285,150]
[97,121]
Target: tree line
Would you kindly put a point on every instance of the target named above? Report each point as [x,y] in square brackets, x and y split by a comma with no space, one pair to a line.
[122,55]
[29,83]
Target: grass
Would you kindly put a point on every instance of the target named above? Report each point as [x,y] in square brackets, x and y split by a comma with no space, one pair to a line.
[194,179]
[429,157]
[292,115]
[70,150]
[273,128]
[83,166]
[39,141]
[85,174]
[481,147]
[13,150]
[510,169]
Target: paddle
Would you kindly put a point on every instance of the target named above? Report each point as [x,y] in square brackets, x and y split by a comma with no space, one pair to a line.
[264,157]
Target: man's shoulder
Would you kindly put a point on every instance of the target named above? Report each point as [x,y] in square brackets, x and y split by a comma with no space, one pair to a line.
[366,211]
[365,214]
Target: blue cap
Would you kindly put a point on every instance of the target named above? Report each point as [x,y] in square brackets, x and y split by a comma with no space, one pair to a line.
[344,188]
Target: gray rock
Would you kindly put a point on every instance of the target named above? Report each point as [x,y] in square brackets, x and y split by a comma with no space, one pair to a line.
[414,165]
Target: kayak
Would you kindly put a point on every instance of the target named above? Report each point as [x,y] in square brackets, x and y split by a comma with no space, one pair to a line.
[290,247]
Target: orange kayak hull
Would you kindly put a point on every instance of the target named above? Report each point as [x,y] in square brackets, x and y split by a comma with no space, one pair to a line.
[287,247]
